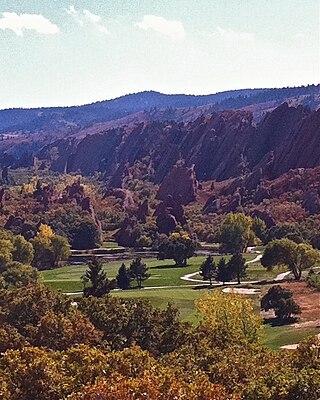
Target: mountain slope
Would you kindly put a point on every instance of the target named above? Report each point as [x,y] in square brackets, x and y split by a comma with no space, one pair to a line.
[68,118]
[221,145]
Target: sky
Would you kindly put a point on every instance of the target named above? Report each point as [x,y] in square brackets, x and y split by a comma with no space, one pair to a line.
[71,52]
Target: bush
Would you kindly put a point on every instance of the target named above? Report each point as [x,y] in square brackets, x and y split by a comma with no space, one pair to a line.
[313,280]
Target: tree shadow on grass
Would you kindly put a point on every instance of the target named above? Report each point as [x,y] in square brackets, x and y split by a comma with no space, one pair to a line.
[279,322]
[167,266]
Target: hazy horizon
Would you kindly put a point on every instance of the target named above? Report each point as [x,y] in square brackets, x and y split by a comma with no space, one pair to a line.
[155,91]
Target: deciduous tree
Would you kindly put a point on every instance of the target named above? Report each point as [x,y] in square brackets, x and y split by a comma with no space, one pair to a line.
[179,246]
[296,257]
[281,301]
[236,233]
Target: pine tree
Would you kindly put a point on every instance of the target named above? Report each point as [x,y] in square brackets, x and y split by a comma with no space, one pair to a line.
[208,269]
[237,266]
[138,271]
[123,277]
[95,280]
[223,272]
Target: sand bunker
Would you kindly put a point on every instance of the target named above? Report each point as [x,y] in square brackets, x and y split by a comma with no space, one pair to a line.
[241,290]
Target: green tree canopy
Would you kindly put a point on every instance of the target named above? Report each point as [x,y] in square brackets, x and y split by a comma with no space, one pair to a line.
[281,301]
[296,257]
[208,269]
[95,281]
[138,271]
[236,233]
[124,277]
[179,246]
[237,267]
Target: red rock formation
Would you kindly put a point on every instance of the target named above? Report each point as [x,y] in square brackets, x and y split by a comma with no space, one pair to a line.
[180,184]
[169,214]
[2,197]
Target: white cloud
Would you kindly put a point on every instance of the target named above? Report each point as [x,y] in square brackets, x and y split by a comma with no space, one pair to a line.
[18,23]
[172,29]
[86,17]
[229,34]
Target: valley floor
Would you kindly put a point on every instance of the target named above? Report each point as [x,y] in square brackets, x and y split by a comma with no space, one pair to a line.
[165,285]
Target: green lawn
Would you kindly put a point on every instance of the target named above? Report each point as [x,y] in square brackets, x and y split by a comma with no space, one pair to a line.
[182,298]
[256,272]
[163,273]
[277,336]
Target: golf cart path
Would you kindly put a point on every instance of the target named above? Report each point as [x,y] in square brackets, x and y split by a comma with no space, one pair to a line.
[189,277]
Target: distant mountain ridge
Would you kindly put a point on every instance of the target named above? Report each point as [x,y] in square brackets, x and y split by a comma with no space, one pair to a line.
[51,119]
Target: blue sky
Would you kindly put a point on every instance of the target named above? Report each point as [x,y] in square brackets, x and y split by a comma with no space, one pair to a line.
[58,52]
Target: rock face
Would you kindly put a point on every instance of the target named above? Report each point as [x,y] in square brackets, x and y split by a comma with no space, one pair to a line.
[169,214]
[220,145]
[301,148]
[2,197]
[127,234]
[128,203]
[180,184]
[212,205]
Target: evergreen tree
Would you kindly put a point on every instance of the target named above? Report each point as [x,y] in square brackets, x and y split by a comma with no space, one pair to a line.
[223,271]
[138,271]
[123,277]
[208,269]
[237,266]
[95,280]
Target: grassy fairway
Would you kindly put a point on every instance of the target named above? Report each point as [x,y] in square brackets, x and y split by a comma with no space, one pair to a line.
[277,336]
[182,298]
[163,273]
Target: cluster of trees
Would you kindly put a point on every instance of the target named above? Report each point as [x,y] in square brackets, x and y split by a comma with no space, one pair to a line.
[111,348]
[97,284]
[306,232]
[223,271]
[137,272]
[45,250]
[179,246]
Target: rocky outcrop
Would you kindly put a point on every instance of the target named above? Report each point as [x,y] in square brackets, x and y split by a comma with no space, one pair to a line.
[169,214]
[128,203]
[128,233]
[2,197]
[301,148]
[180,184]
[220,145]
[213,205]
